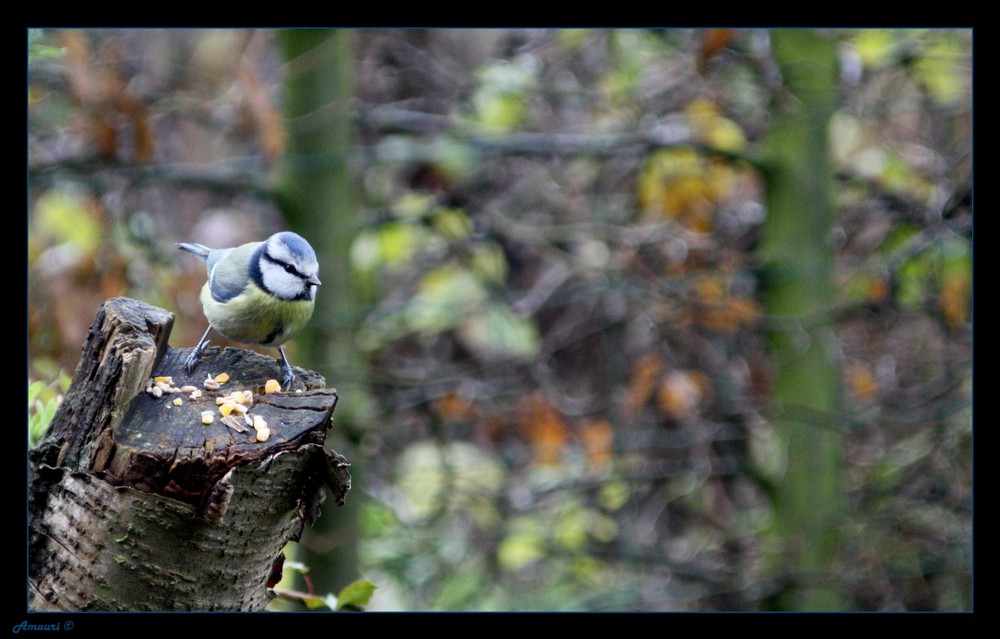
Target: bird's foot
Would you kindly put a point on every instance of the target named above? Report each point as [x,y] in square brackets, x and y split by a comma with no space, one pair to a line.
[288,376]
[192,359]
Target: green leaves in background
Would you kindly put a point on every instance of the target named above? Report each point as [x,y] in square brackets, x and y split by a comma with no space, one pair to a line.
[500,102]
[68,220]
[455,282]
[932,56]
[37,50]
[496,332]
[43,401]
[457,476]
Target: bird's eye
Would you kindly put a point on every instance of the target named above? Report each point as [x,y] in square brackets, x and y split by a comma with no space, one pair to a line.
[289,268]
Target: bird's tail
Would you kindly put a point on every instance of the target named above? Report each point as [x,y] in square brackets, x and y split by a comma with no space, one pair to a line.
[197,249]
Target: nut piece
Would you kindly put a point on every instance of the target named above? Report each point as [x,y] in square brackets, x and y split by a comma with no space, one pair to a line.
[222,378]
[207,417]
[178,401]
[271,386]
[259,425]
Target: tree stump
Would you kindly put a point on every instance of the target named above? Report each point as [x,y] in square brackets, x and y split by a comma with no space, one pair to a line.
[135,504]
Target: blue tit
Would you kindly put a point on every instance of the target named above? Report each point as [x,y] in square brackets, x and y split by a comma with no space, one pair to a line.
[258,293]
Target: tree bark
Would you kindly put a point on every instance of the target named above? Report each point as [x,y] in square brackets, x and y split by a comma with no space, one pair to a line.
[136,504]
[799,296]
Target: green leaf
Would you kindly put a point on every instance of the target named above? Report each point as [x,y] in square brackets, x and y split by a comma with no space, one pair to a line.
[355,595]
[34,388]
[489,262]
[496,332]
[414,206]
[453,224]
[445,295]
[519,550]
[316,602]
[500,101]
[937,69]
[875,47]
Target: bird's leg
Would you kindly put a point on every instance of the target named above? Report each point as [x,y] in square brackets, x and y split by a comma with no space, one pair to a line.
[192,360]
[286,369]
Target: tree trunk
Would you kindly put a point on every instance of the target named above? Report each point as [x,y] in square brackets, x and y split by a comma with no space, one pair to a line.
[136,504]
[317,196]
[798,291]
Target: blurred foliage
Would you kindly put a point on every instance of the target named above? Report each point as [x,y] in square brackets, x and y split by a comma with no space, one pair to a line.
[562,316]
[43,400]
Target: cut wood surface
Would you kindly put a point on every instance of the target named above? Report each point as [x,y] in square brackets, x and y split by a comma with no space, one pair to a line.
[136,504]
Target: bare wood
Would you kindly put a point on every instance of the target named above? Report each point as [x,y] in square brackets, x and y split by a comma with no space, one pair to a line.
[135,504]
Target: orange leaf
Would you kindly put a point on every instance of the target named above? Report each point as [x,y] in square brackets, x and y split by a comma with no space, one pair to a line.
[862,383]
[266,117]
[643,382]
[713,41]
[876,290]
[598,438]
[679,393]
[453,407]
[544,428]
[955,293]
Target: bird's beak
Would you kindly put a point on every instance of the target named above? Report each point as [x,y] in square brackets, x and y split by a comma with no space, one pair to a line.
[313,280]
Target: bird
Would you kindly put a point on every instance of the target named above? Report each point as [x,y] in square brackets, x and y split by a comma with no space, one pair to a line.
[258,293]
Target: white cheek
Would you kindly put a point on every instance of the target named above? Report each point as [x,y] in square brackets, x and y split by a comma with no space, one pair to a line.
[279,283]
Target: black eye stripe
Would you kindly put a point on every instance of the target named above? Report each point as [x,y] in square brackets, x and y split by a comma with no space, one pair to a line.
[289,268]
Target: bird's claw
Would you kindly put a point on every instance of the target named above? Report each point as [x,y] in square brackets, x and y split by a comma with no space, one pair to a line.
[193,358]
[288,377]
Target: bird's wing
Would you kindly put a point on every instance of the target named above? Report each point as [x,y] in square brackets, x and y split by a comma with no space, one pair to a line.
[225,279]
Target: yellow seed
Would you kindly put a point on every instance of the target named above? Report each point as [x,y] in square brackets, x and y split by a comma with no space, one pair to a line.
[178,402]
[271,386]
[239,397]
[164,379]
[241,409]
[258,422]
[196,393]
[263,434]
[207,417]
[222,378]
[227,408]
